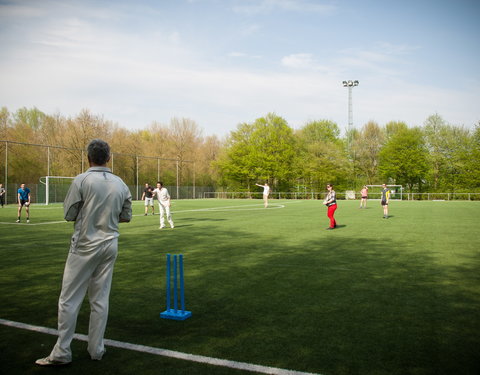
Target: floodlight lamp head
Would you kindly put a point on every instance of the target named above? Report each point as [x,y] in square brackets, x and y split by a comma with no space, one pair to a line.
[350,83]
[344,83]
[355,83]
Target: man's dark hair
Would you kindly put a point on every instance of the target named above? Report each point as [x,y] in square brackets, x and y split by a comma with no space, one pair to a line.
[160,182]
[98,152]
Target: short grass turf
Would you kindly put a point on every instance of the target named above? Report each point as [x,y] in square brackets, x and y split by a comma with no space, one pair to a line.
[265,286]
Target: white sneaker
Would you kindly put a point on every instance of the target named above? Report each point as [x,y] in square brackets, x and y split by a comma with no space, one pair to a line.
[50,362]
[28,220]
[161,227]
[17,221]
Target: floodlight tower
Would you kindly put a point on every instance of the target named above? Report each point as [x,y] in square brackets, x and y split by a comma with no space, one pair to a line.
[350,84]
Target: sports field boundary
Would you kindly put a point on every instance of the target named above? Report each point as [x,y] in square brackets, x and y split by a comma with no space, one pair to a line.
[165,352]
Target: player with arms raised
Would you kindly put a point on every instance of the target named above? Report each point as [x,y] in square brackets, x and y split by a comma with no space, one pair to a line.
[266,192]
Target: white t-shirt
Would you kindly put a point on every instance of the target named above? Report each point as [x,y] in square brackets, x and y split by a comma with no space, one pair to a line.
[266,190]
[162,194]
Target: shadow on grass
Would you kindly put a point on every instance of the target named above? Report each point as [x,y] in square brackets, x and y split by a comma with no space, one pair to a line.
[325,302]
[330,305]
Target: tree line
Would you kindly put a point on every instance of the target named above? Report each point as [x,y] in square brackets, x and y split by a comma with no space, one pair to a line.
[434,157]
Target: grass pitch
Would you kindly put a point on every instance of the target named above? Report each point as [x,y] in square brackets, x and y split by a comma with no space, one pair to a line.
[266,286]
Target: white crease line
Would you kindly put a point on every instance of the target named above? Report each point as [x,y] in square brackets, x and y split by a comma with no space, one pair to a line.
[220,209]
[33,224]
[167,353]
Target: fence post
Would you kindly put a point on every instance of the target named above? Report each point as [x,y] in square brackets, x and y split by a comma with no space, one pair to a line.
[6,172]
[177,182]
[136,176]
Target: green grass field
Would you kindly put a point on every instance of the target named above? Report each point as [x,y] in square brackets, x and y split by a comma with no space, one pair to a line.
[269,287]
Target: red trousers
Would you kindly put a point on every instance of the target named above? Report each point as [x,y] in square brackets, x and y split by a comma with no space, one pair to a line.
[330,213]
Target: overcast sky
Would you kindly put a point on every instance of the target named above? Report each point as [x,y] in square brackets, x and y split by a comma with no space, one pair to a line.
[225,62]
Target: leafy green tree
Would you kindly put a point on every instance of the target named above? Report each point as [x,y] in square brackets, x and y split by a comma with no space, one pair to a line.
[434,130]
[470,178]
[366,147]
[463,167]
[323,155]
[393,127]
[449,148]
[4,123]
[33,118]
[262,151]
[403,159]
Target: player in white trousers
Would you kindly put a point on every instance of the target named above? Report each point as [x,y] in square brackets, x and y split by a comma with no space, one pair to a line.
[163,204]
[96,201]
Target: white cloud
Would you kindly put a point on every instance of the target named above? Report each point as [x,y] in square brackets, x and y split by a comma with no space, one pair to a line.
[19,10]
[266,6]
[299,60]
[135,76]
[250,30]
[237,54]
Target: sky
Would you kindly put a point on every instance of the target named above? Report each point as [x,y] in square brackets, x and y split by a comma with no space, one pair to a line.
[225,62]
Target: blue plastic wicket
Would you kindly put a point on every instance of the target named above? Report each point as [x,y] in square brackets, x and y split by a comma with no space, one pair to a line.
[175,313]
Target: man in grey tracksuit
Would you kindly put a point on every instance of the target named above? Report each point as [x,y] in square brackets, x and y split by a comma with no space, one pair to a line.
[96,201]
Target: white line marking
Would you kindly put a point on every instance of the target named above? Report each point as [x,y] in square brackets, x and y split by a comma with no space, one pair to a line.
[33,224]
[235,208]
[239,207]
[166,353]
[258,206]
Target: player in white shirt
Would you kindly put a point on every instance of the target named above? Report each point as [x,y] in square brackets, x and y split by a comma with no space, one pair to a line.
[163,204]
[266,192]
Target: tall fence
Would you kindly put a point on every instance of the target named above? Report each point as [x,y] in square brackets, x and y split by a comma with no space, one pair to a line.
[27,162]
[57,193]
[343,195]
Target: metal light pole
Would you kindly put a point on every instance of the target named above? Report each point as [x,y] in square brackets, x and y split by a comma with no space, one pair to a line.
[350,84]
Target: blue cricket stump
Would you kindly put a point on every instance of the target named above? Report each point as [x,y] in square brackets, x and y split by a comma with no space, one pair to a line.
[175,313]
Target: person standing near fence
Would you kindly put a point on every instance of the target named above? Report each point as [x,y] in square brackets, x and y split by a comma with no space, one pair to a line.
[364,195]
[385,199]
[331,203]
[148,196]
[266,192]
[23,196]
[2,195]
[163,204]
[96,201]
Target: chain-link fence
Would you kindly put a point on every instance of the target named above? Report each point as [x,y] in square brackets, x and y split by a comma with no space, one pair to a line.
[30,163]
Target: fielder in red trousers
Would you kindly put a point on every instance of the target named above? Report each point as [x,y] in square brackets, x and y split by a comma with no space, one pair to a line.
[331,203]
